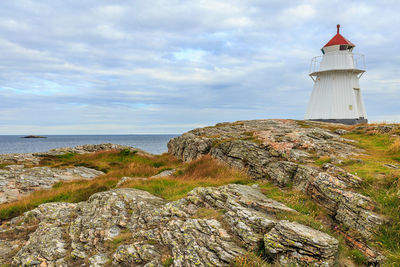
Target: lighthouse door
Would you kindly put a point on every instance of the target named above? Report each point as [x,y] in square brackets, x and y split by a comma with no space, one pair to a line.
[358,101]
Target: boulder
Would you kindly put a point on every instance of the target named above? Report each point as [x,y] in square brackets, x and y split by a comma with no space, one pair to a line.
[291,242]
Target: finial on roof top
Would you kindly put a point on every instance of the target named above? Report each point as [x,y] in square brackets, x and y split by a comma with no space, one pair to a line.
[338,27]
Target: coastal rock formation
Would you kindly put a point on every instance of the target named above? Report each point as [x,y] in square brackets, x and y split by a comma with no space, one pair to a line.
[284,152]
[83,149]
[125,227]
[17,181]
[34,158]
[291,242]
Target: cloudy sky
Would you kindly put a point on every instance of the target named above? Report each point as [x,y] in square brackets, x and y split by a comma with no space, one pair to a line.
[167,66]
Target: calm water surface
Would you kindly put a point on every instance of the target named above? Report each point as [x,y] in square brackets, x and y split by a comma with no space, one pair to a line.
[155,144]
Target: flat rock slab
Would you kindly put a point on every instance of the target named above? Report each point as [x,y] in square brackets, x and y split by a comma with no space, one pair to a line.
[17,181]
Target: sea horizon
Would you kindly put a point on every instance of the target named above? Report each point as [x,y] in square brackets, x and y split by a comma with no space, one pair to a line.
[152,143]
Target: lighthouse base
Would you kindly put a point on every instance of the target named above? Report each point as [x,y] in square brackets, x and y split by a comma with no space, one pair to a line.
[343,121]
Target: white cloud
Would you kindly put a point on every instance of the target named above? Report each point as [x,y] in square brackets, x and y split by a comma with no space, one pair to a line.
[167,65]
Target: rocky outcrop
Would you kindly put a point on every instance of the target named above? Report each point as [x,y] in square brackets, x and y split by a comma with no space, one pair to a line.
[34,158]
[291,242]
[83,149]
[17,181]
[129,227]
[284,151]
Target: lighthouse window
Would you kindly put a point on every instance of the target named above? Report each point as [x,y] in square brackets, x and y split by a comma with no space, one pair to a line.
[343,47]
[350,107]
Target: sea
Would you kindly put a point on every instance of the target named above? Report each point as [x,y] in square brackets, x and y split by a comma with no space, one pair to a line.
[153,143]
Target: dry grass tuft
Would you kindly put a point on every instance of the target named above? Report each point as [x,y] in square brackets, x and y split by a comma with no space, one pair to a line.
[202,172]
[395,147]
[250,259]
[207,167]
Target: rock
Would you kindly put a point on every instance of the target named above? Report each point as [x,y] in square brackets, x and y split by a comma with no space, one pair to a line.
[272,139]
[137,254]
[98,260]
[282,172]
[392,166]
[291,242]
[35,158]
[349,179]
[280,150]
[165,173]
[340,131]
[126,179]
[189,146]
[17,181]
[83,149]
[19,159]
[150,230]
[284,152]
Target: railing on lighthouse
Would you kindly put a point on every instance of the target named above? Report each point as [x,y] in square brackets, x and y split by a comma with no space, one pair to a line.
[337,61]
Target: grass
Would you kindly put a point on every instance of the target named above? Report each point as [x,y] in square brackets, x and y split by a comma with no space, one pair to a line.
[198,173]
[382,184]
[395,146]
[312,215]
[322,160]
[250,259]
[207,213]
[202,172]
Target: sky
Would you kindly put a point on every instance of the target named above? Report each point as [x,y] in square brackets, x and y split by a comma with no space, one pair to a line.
[168,66]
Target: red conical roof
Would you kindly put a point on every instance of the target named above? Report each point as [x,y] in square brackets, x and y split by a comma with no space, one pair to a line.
[338,39]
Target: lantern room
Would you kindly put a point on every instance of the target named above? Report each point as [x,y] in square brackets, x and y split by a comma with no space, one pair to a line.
[337,43]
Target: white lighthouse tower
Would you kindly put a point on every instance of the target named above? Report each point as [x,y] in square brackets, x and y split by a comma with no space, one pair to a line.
[336,96]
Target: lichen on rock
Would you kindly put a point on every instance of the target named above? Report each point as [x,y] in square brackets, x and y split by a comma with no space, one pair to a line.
[153,230]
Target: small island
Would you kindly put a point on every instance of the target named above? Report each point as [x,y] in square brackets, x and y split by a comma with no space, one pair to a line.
[34,136]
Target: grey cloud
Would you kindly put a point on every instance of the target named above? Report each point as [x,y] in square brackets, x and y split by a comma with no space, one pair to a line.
[165,66]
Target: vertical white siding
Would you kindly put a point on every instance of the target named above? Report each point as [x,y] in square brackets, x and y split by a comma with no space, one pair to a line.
[333,95]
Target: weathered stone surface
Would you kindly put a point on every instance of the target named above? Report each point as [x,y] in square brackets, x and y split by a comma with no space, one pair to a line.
[128,178]
[291,242]
[152,231]
[34,158]
[286,139]
[281,150]
[19,158]
[162,174]
[17,181]
[83,149]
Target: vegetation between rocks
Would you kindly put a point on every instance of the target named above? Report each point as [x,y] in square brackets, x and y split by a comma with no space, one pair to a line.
[380,170]
[116,164]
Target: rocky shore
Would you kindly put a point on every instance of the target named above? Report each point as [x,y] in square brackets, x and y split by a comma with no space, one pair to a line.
[211,226]
[284,151]
[34,158]
[17,180]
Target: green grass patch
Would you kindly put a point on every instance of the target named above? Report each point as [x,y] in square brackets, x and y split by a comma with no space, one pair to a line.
[322,160]
[168,261]
[70,193]
[382,184]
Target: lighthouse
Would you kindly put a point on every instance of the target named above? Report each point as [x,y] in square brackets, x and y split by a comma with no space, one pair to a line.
[336,95]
